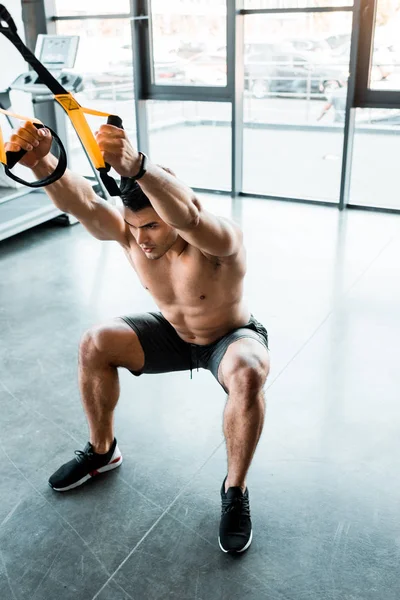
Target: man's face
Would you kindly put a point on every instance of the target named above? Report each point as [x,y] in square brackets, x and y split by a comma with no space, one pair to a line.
[151,233]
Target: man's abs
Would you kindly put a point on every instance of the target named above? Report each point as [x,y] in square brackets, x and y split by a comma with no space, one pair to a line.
[208,325]
[200,297]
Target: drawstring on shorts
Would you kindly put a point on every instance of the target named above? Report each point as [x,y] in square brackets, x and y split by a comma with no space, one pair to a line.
[193,347]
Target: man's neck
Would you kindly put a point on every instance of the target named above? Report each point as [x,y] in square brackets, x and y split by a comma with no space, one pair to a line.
[177,249]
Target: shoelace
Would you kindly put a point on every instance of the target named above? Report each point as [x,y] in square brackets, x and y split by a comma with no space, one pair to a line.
[239,505]
[81,456]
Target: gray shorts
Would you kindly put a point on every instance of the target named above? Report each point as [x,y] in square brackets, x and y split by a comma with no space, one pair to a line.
[165,351]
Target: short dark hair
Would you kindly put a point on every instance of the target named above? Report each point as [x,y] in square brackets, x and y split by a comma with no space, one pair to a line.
[132,195]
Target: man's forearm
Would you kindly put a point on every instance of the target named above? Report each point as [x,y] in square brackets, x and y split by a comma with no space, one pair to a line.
[172,199]
[68,192]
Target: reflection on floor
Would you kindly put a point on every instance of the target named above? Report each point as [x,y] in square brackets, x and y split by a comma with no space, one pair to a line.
[324,483]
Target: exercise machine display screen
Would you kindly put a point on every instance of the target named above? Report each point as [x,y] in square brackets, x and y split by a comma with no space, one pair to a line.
[57,52]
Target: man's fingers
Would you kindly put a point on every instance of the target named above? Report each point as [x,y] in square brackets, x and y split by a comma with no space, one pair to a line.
[24,134]
[20,141]
[10,147]
[29,126]
[43,132]
[112,146]
[111,131]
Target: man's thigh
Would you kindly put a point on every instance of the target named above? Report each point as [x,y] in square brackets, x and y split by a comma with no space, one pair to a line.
[164,351]
[114,342]
[243,346]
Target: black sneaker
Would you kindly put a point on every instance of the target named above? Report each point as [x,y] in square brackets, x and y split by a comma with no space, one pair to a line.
[87,464]
[235,532]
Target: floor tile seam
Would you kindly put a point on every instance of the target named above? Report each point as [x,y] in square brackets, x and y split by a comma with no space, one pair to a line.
[79,443]
[266,586]
[27,510]
[332,311]
[67,523]
[134,489]
[214,546]
[73,438]
[7,575]
[196,533]
[39,414]
[48,570]
[123,589]
[164,513]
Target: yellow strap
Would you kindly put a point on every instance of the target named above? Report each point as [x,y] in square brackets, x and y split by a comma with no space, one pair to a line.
[96,113]
[3,157]
[76,113]
[20,117]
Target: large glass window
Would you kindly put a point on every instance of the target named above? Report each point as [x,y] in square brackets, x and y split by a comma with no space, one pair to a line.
[194,140]
[385,67]
[71,8]
[104,60]
[189,42]
[375,176]
[296,70]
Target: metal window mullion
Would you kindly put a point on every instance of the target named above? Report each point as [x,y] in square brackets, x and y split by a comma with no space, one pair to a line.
[379,99]
[379,209]
[139,33]
[35,22]
[89,17]
[365,97]
[349,121]
[230,46]
[306,9]
[236,56]
[50,11]
[184,92]
[367,10]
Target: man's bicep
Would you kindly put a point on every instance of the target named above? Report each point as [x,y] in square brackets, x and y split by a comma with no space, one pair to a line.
[214,235]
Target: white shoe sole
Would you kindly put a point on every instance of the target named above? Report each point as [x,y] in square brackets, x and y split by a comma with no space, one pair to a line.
[116,461]
[236,551]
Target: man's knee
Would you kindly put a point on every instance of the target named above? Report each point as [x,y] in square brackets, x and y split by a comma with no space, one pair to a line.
[95,343]
[247,373]
[245,367]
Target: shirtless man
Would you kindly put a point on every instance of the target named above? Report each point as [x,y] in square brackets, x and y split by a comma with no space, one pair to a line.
[193,264]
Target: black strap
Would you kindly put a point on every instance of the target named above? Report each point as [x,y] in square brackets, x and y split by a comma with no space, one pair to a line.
[110,183]
[14,157]
[9,29]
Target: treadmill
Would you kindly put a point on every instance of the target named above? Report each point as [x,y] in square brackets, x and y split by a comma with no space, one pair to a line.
[22,208]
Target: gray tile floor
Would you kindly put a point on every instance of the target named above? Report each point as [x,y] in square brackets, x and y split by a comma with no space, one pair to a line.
[324,483]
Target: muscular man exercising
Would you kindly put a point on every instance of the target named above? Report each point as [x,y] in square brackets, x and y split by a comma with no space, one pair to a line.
[193,264]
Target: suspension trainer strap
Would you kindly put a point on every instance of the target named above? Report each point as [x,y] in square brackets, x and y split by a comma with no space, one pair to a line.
[74,110]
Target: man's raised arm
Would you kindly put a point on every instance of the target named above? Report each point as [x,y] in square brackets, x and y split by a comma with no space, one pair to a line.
[72,193]
[172,199]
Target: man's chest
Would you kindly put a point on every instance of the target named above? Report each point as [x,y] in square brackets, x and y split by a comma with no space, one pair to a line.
[183,280]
